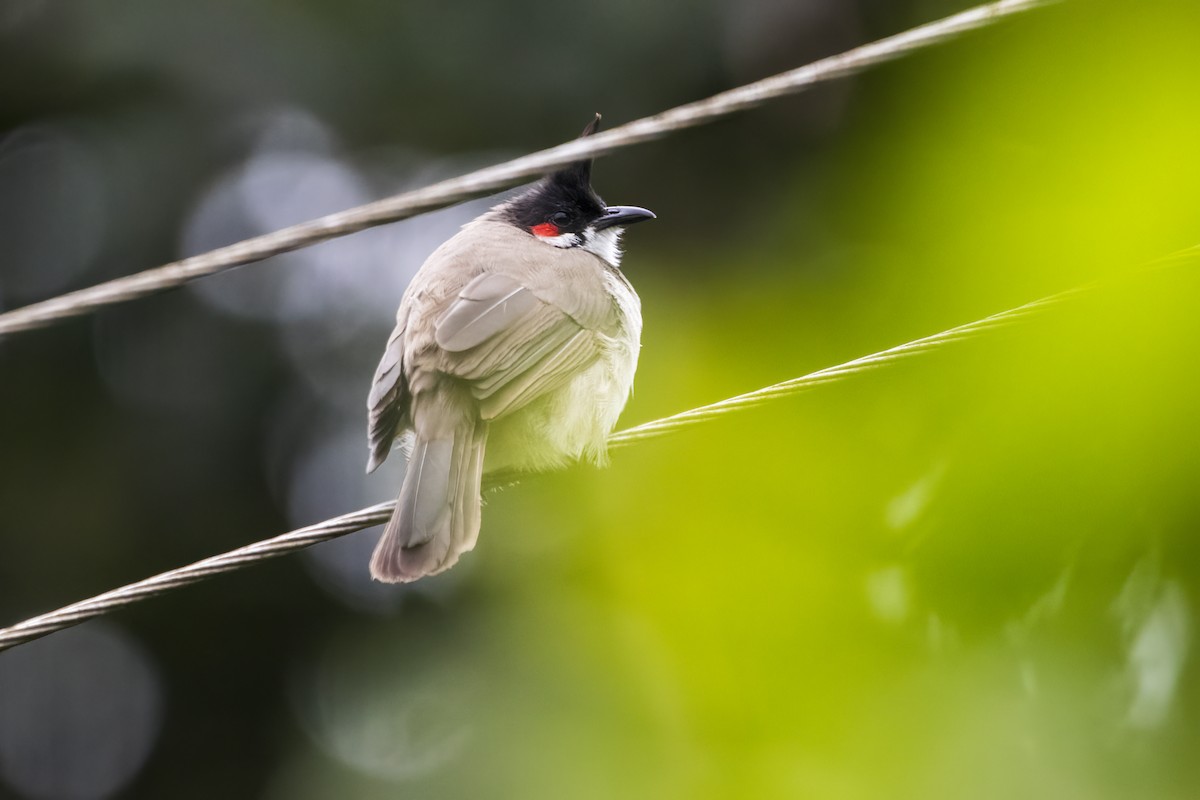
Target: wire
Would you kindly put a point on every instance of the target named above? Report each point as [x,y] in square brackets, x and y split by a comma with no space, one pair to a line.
[75,613]
[661,427]
[868,363]
[283,544]
[502,176]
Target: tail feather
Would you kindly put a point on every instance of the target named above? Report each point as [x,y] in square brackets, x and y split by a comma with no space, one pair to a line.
[469,500]
[437,516]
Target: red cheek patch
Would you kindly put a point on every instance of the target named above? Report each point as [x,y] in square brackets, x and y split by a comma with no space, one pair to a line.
[545,229]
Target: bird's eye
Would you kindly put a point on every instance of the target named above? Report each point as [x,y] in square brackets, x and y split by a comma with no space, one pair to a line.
[560,218]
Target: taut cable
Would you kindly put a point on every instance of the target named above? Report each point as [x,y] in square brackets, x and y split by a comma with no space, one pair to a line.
[75,613]
[501,176]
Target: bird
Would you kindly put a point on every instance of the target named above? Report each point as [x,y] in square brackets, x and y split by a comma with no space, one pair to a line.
[515,349]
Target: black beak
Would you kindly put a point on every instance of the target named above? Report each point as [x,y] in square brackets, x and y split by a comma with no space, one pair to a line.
[622,215]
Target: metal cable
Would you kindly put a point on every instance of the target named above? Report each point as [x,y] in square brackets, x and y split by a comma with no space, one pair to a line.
[868,363]
[788,388]
[75,613]
[501,176]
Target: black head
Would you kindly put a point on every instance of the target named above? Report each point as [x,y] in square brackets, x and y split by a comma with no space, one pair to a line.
[564,210]
[562,202]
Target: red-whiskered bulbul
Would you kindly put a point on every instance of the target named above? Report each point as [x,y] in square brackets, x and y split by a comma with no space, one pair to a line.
[518,336]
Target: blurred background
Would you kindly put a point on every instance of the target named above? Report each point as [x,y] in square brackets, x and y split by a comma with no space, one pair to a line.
[973,575]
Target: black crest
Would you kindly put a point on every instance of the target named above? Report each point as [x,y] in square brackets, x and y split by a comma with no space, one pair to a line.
[581,171]
[566,192]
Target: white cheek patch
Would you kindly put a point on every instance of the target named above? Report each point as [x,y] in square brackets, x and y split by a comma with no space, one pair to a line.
[606,244]
[563,240]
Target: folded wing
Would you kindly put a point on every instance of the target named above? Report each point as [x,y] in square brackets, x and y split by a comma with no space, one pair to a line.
[508,345]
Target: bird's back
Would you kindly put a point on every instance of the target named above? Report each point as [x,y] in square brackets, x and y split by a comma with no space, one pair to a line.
[571,420]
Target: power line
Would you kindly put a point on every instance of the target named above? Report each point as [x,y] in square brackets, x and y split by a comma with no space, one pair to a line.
[283,544]
[502,176]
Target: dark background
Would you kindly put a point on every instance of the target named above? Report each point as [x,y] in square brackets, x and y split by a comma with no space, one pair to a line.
[972,575]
